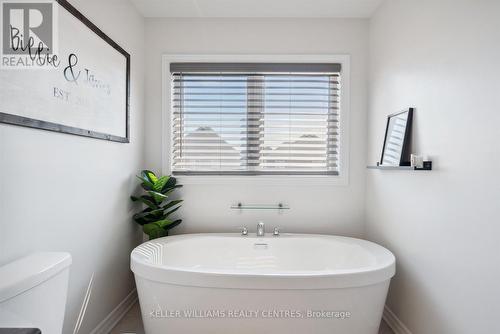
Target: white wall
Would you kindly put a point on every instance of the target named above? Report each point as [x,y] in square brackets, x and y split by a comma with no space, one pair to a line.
[68,193]
[320,209]
[442,57]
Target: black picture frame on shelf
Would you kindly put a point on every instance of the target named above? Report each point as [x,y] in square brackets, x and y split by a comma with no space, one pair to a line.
[396,148]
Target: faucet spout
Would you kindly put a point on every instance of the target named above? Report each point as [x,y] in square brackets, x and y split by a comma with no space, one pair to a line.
[260,229]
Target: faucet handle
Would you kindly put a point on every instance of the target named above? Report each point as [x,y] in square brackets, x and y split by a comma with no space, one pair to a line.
[244,231]
[276,231]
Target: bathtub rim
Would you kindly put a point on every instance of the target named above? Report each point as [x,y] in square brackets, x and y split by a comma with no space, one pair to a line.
[336,279]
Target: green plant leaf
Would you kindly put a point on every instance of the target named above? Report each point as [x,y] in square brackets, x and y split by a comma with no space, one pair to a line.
[153,230]
[162,223]
[158,197]
[172,181]
[150,213]
[162,181]
[169,191]
[174,224]
[153,177]
[171,184]
[172,211]
[148,200]
[149,219]
[171,204]
[149,175]
[145,183]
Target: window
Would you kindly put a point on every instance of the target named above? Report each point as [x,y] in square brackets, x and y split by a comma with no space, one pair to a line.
[255,118]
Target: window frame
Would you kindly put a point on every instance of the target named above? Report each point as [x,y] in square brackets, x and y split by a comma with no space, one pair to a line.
[167,117]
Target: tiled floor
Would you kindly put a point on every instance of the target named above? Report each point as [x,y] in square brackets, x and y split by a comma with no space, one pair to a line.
[132,323]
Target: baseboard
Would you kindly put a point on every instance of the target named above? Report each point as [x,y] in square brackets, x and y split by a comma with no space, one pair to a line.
[393,321]
[105,326]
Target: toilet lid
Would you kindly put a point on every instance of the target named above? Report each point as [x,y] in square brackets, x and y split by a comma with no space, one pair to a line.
[29,271]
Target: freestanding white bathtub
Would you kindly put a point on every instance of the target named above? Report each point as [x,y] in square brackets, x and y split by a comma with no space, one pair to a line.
[233,284]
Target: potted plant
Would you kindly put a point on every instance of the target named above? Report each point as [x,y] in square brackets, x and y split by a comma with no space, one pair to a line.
[154,218]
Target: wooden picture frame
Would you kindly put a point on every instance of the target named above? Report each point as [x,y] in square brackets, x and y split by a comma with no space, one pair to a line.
[90,113]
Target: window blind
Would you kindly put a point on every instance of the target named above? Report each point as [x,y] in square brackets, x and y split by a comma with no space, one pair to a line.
[255,118]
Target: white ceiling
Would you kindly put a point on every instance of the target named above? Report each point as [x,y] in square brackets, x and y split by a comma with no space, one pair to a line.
[257,8]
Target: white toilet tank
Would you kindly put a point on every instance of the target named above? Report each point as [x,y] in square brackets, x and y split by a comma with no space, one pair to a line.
[33,292]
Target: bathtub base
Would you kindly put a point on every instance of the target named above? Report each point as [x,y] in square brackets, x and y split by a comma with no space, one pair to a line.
[173,309]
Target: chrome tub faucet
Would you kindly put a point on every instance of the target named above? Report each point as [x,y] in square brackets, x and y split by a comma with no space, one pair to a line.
[260,229]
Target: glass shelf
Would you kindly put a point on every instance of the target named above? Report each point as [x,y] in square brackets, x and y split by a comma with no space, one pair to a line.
[241,206]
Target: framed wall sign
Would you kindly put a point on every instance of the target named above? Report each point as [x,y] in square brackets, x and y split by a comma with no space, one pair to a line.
[72,78]
[396,149]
